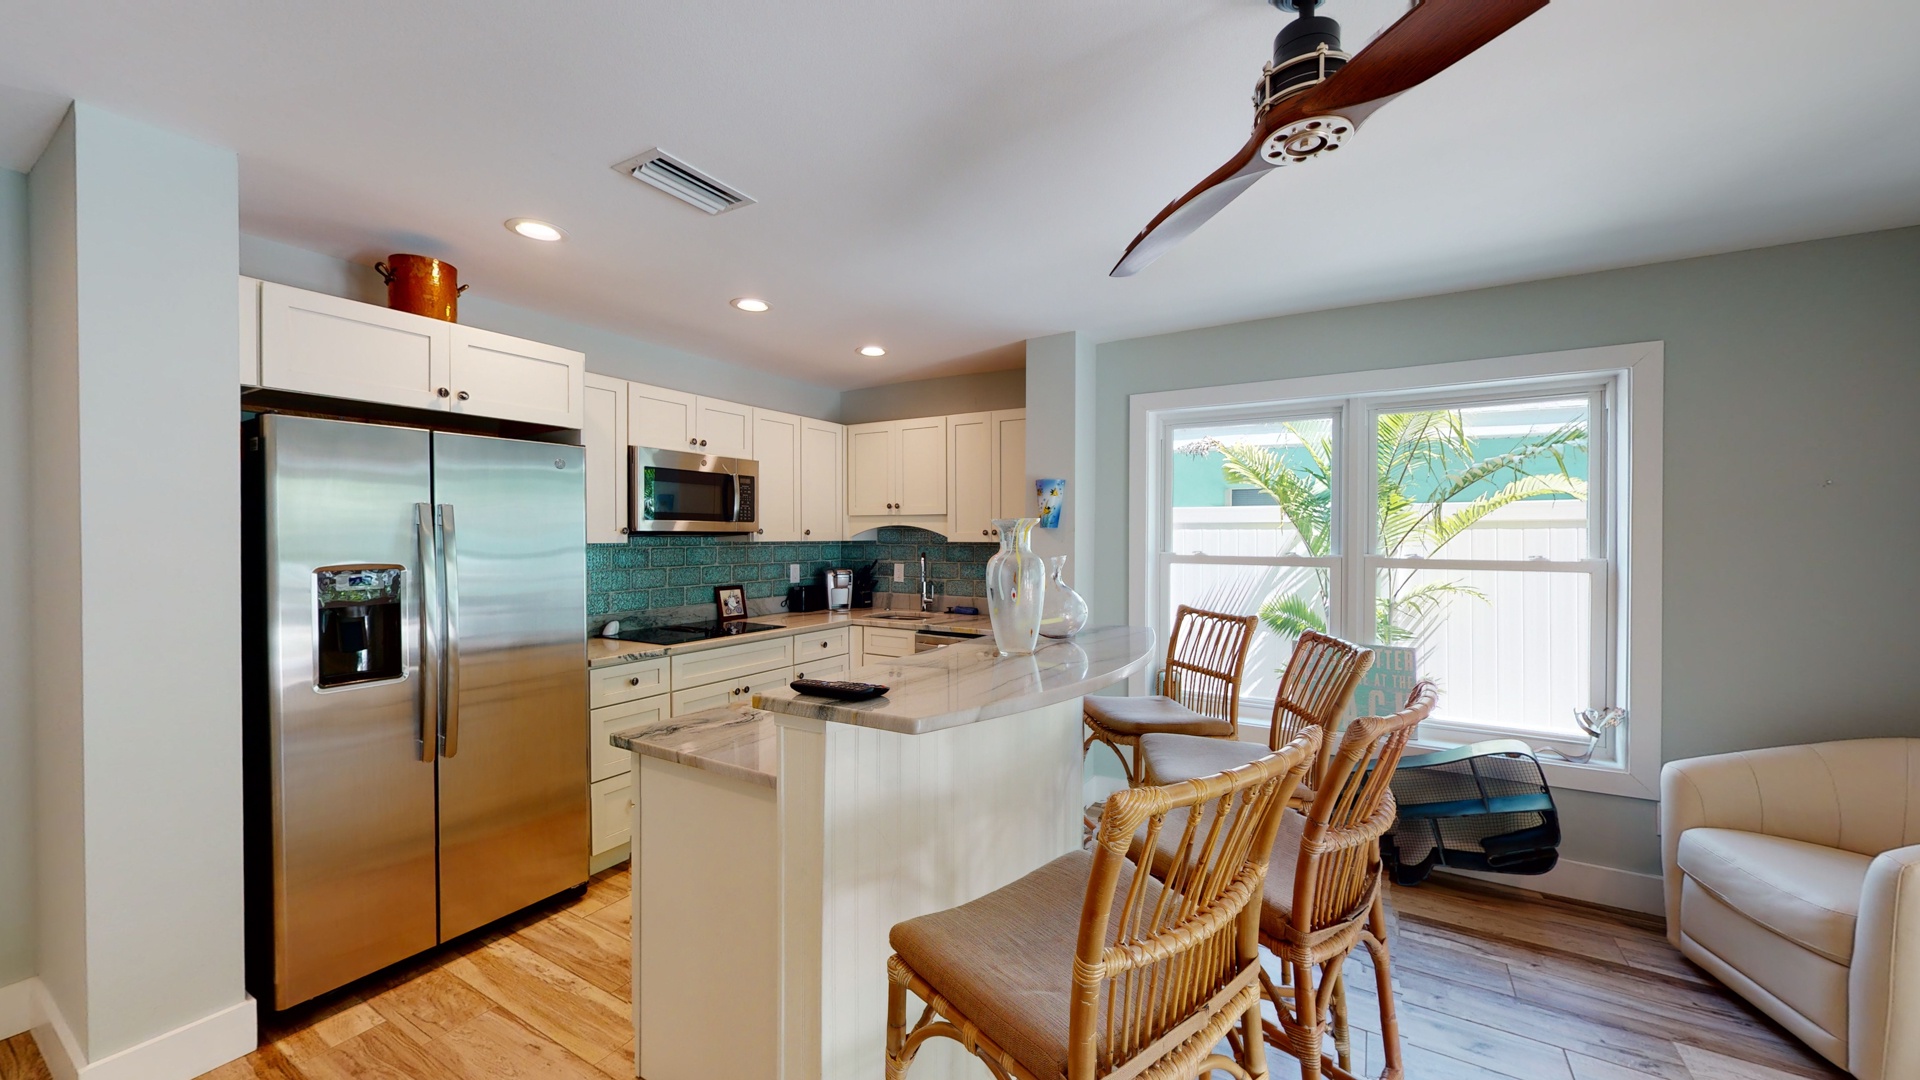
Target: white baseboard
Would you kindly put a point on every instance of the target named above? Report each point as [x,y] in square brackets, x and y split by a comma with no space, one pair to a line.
[180,1054]
[1593,883]
[16,1008]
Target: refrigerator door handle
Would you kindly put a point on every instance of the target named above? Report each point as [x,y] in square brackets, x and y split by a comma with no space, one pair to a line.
[450,724]
[430,625]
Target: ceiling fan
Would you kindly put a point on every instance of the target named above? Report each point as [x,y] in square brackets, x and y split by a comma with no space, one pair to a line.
[1313,97]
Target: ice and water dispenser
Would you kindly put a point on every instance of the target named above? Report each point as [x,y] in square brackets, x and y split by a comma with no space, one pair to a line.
[359,626]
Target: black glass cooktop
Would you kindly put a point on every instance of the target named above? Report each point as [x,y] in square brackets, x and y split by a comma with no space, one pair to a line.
[680,635]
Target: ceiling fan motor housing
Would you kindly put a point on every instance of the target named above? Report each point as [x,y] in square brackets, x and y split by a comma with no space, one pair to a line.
[1305,54]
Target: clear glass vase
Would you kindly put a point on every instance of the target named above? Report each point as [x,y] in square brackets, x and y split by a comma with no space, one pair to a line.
[1064,612]
[1016,585]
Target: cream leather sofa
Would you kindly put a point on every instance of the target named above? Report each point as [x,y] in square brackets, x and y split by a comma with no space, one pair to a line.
[1793,876]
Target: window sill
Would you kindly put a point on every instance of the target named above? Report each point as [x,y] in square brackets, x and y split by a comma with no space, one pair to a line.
[1599,777]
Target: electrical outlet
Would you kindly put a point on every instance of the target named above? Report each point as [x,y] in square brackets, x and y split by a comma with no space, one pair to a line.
[793,573]
[899,571]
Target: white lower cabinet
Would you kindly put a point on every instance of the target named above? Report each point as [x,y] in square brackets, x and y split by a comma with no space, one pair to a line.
[824,667]
[730,662]
[612,801]
[885,643]
[732,692]
[626,682]
[609,760]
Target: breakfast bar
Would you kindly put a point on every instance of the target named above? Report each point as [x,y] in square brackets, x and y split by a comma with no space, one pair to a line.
[775,846]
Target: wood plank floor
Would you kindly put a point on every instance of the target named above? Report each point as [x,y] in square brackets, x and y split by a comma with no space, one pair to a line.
[1493,984]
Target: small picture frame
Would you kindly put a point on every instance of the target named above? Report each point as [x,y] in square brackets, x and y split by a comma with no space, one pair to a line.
[732,602]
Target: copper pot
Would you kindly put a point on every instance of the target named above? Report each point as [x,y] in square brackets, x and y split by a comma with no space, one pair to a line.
[422,285]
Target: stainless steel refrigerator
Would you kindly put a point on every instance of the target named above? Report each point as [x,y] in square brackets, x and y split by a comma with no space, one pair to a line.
[417,735]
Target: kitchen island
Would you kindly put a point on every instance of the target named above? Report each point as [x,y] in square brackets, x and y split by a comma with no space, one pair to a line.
[776,845]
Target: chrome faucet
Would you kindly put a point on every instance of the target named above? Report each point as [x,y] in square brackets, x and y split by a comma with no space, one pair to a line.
[926,587]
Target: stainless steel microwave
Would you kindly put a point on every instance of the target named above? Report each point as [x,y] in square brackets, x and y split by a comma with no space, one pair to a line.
[672,491]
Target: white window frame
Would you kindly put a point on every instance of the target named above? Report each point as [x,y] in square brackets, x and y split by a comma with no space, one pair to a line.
[1628,448]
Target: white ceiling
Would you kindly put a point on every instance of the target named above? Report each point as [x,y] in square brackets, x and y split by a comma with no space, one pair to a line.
[951,177]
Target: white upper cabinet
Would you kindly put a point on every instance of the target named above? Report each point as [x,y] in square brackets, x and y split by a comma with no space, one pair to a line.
[313,343]
[1014,495]
[724,428]
[970,452]
[923,466]
[604,431]
[897,468]
[661,418]
[510,378]
[776,436]
[873,456]
[673,420]
[822,451]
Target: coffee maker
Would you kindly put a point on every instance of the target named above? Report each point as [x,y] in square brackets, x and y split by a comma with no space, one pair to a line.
[839,585]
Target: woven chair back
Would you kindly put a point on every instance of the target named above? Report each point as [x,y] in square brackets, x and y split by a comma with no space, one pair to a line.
[1206,655]
[1159,960]
[1338,874]
[1315,689]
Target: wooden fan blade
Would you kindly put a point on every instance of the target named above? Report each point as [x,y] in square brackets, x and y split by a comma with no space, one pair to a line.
[1425,42]
[1190,211]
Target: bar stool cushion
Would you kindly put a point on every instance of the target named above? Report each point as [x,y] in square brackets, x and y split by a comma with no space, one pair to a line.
[1006,959]
[1170,758]
[1136,716]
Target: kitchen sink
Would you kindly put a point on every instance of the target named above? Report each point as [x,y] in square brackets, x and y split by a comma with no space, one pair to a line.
[905,616]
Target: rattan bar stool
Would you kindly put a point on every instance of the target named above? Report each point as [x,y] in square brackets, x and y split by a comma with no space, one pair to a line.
[1085,969]
[1198,692]
[1325,895]
[1315,689]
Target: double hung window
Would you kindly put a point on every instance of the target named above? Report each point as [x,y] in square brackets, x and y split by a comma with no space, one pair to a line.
[1471,522]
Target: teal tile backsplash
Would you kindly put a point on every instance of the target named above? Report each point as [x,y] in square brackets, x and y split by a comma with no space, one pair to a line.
[653,573]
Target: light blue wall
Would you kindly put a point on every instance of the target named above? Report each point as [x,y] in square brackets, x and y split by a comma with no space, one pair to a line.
[608,353]
[16,716]
[1792,516]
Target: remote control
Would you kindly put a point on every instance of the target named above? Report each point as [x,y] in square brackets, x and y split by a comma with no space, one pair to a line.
[844,691]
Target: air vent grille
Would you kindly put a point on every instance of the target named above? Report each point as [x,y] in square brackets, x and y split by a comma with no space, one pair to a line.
[662,170]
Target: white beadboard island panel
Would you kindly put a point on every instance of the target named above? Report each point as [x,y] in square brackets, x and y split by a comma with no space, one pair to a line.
[877,827]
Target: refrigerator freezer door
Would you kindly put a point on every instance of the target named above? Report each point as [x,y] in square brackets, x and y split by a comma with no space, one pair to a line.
[514,826]
[353,799]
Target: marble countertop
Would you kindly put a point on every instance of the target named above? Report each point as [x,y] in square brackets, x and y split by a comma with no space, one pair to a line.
[604,652]
[733,741]
[970,681]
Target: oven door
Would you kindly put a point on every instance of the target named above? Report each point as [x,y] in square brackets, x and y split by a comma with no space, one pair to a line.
[695,493]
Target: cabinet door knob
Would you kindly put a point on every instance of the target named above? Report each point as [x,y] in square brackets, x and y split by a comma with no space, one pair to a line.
[759,532]
[463,395]
[444,392]
[983,532]
[806,532]
[703,442]
[693,442]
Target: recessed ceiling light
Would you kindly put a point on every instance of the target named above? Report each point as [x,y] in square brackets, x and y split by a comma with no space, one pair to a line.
[748,303]
[872,350]
[536,230]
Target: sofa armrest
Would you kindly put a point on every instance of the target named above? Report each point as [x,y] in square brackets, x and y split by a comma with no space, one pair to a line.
[1883,985]
[1718,792]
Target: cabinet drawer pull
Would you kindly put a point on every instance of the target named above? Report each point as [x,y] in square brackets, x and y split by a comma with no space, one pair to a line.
[635,681]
